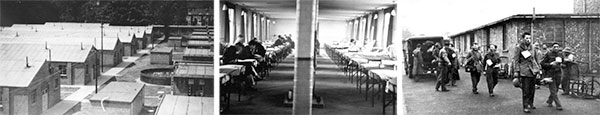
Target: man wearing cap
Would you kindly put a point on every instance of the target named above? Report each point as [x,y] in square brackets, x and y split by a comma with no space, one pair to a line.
[551,64]
[567,68]
[526,68]
[447,56]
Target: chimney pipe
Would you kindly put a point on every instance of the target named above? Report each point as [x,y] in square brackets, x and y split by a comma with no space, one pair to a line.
[81,45]
[27,62]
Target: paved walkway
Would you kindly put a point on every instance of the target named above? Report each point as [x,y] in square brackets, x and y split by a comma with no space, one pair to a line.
[71,101]
[74,99]
[114,71]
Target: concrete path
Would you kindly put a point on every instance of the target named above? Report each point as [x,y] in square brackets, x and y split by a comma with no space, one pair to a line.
[114,71]
[71,101]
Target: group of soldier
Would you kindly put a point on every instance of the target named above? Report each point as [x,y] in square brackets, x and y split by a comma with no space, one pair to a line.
[531,66]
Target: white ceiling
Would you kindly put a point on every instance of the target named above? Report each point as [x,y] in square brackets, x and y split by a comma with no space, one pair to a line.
[328,9]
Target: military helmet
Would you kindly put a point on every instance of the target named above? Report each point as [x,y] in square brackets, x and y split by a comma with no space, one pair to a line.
[516,82]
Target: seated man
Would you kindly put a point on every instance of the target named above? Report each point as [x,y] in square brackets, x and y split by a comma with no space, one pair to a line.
[259,53]
[233,54]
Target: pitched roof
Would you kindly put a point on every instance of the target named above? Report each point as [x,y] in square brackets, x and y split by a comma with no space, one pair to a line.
[60,53]
[72,33]
[13,72]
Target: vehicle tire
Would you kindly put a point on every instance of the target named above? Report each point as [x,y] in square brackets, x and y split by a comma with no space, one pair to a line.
[594,88]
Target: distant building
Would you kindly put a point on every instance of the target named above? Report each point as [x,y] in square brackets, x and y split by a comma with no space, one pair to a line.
[162,55]
[27,86]
[120,97]
[185,105]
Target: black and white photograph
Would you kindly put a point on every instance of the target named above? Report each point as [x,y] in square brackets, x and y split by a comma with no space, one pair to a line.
[299,57]
[107,57]
[308,57]
[504,57]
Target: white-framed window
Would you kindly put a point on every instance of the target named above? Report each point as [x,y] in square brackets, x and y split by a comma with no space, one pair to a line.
[63,71]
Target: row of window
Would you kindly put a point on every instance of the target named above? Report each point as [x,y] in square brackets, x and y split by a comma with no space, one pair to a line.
[367,28]
[252,25]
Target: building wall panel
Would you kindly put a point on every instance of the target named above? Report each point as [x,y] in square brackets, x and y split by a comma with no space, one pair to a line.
[576,38]
[595,44]
[496,36]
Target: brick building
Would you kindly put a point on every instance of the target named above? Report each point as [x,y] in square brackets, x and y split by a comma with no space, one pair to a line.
[578,31]
[77,64]
[27,86]
[120,98]
[192,79]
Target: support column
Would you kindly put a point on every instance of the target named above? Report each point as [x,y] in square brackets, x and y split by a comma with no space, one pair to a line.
[304,66]
[399,21]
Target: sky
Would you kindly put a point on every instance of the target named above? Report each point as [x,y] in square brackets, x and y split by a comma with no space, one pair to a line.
[441,17]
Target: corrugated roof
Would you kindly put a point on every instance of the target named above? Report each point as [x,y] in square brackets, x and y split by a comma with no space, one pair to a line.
[198,52]
[119,92]
[60,53]
[200,43]
[194,70]
[13,72]
[185,105]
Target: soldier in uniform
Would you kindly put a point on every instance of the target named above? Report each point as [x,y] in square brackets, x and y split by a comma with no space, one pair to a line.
[492,59]
[474,61]
[446,58]
[526,68]
[455,66]
[551,64]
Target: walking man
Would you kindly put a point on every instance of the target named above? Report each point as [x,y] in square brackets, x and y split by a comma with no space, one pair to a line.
[525,68]
[551,64]
[455,66]
[474,62]
[445,61]
[492,59]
